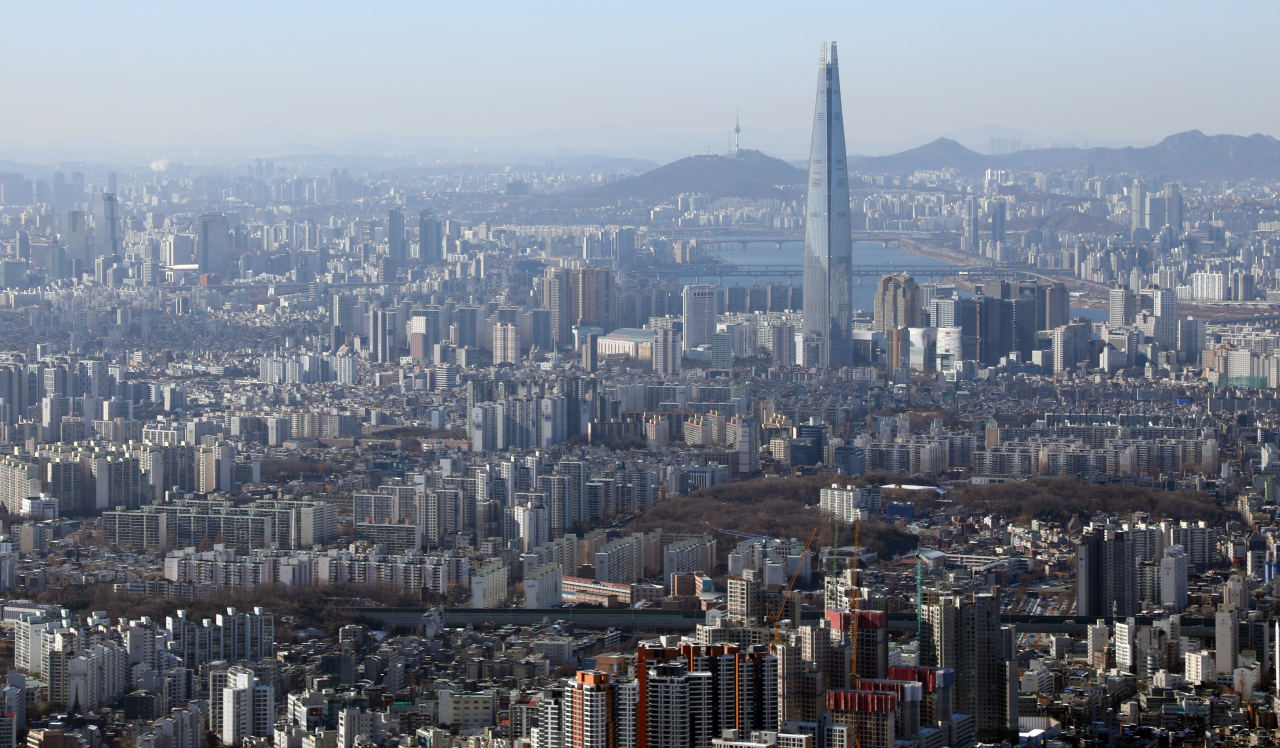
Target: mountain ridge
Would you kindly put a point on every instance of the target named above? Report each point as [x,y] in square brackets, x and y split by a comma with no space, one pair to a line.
[748,174]
[1189,155]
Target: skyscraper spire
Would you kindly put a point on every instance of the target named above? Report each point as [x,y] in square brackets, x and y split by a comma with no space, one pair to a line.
[828,244]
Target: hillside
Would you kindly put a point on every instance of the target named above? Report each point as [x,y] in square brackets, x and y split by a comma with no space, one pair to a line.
[777,507]
[751,174]
[1193,155]
[1189,156]
[1061,499]
[942,153]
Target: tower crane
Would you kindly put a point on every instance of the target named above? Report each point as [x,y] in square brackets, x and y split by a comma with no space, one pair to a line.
[774,614]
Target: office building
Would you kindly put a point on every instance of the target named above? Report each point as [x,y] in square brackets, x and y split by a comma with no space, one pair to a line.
[213,244]
[1138,205]
[396,242]
[1174,568]
[1071,345]
[73,233]
[1051,302]
[897,303]
[721,351]
[972,242]
[1165,308]
[1106,574]
[1173,206]
[828,243]
[106,226]
[944,312]
[430,248]
[699,315]
[667,352]
[999,219]
[591,352]
[1123,308]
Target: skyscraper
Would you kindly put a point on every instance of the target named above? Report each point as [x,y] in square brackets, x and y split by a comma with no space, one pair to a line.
[1165,307]
[944,312]
[342,313]
[557,296]
[381,335]
[595,297]
[699,315]
[828,245]
[506,343]
[74,235]
[1173,205]
[666,352]
[623,247]
[1052,302]
[395,237]
[1156,212]
[1057,306]
[971,225]
[106,225]
[897,303]
[429,247]
[999,217]
[1106,574]
[1123,309]
[213,242]
[589,709]
[1138,204]
[964,633]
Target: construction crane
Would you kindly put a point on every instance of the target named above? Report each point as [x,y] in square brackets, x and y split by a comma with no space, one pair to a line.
[855,597]
[855,600]
[919,595]
[774,615]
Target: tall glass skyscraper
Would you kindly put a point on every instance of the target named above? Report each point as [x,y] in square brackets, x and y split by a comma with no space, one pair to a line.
[828,245]
[395,237]
[213,244]
[106,226]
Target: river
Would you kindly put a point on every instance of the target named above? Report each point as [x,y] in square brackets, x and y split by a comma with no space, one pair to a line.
[792,253]
[864,253]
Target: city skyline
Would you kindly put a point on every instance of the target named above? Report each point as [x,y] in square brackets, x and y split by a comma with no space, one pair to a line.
[944,449]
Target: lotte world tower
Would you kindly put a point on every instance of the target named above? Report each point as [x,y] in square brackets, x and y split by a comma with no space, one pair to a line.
[828,244]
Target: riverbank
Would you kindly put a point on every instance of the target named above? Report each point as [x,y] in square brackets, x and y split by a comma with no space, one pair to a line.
[1090,295]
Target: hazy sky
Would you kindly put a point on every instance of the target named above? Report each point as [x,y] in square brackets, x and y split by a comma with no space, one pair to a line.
[491,74]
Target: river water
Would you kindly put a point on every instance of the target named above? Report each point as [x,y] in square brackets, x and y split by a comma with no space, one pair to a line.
[864,253]
[792,253]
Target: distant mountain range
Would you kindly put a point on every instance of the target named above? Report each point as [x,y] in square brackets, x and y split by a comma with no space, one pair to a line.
[749,174]
[1189,156]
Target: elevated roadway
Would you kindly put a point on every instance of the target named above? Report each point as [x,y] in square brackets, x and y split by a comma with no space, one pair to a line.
[727,270]
[677,621]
